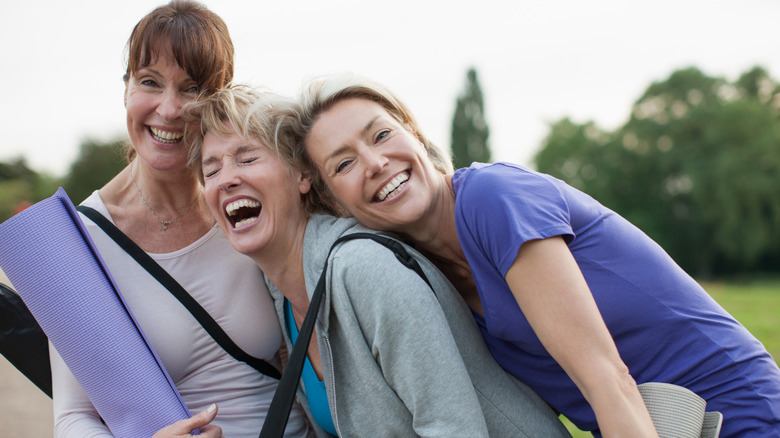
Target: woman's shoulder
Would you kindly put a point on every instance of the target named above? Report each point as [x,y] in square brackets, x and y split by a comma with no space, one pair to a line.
[95,202]
[360,266]
[321,232]
[491,170]
[362,262]
[497,186]
[483,179]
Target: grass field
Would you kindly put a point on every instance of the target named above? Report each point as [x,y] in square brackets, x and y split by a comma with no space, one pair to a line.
[756,304]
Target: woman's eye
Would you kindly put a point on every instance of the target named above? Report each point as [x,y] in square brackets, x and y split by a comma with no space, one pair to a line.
[343,165]
[148,83]
[210,170]
[382,135]
[193,89]
[248,160]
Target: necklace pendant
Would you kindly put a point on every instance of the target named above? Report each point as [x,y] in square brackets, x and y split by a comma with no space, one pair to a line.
[149,207]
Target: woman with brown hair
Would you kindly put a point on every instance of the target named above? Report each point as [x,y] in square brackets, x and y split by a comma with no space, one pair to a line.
[176,53]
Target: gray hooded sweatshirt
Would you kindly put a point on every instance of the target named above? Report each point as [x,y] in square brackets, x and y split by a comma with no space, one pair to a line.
[399,360]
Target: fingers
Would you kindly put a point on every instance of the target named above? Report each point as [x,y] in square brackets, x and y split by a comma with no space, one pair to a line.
[203,417]
[210,431]
[201,420]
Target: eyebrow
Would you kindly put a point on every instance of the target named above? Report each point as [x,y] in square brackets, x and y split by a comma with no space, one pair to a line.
[365,129]
[239,150]
[148,69]
[208,161]
[158,73]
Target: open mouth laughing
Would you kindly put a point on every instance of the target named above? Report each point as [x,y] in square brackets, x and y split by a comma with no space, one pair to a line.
[243,212]
[393,187]
[166,136]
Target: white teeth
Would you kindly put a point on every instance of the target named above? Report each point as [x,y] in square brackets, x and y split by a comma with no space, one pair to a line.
[233,207]
[243,222]
[166,136]
[396,183]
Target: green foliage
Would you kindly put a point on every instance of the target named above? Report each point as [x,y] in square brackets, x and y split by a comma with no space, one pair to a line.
[16,169]
[15,194]
[568,154]
[470,131]
[696,167]
[95,165]
[20,187]
[755,304]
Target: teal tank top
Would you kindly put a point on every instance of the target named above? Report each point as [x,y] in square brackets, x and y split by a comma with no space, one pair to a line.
[315,389]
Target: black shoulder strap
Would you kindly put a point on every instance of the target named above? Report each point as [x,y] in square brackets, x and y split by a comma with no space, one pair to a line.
[279,411]
[203,317]
[393,245]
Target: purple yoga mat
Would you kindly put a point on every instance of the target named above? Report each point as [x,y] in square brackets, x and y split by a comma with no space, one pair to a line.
[53,264]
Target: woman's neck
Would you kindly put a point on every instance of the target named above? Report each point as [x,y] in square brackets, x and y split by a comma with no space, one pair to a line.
[169,191]
[435,233]
[282,263]
[284,267]
[436,236]
[160,211]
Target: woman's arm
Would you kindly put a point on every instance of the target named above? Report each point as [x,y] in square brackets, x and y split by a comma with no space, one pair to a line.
[552,293]
[74,414]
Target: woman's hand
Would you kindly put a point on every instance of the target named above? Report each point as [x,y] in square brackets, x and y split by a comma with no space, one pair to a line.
[182,428]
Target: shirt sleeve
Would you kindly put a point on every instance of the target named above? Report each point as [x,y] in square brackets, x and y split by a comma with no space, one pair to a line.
[408,334]
[74,414]
[500,207]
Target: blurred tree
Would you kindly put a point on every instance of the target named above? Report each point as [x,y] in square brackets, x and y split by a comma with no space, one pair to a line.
[696,167]
[21,186]
[95,165]
[16,169]
[469,127]
[14,195]
[568,154]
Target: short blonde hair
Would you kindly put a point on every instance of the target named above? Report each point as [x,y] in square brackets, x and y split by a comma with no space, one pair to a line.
[320,95]
[254,115]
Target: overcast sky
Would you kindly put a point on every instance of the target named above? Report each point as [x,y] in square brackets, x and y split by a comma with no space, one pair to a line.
[62,62]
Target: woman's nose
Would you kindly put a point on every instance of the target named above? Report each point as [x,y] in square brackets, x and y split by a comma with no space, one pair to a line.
[170,105]
[374,162]
[228,179]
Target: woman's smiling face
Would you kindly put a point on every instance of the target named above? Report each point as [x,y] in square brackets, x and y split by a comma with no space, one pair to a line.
[254,196]
[373,166]
[154,97]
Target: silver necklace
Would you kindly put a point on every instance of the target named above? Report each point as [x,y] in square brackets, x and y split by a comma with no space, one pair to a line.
[164,223]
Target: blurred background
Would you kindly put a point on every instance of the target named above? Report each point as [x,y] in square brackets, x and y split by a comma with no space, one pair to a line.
[667,112]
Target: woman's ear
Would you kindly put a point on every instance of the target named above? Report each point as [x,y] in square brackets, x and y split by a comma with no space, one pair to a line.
[304,182]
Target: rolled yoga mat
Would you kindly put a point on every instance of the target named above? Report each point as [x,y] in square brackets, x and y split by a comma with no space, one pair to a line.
[53,264]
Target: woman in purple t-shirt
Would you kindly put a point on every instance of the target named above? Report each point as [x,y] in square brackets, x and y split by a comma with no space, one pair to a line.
[570,297]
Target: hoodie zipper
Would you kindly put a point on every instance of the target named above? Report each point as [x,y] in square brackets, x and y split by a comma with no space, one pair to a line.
[332,378]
